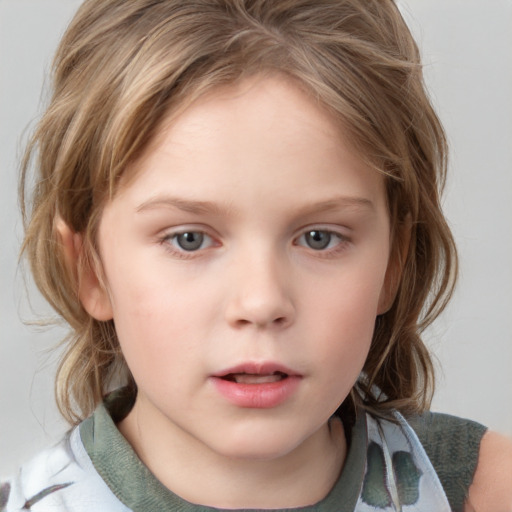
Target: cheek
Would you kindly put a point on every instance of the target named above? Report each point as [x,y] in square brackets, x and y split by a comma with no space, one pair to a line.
[160,321]
[348,341]
[152,314]
[351,300]
[343,317]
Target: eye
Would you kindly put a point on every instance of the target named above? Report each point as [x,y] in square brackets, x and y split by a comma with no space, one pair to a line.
[189,241]
[319,239]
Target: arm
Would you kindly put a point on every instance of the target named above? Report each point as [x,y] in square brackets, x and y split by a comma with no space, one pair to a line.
[491,490]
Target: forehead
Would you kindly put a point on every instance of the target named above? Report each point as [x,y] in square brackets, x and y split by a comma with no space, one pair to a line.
[247,127]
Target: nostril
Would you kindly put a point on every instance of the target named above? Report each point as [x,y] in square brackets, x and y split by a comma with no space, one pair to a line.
[277,322]
[259,311]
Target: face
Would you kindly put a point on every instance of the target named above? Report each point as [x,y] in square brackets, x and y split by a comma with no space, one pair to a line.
[245,264]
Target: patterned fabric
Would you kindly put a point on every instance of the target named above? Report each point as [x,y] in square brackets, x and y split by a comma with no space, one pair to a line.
[60,479]
[399,475]
[386,470]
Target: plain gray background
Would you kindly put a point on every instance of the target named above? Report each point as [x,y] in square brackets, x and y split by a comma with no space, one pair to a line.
[466,45]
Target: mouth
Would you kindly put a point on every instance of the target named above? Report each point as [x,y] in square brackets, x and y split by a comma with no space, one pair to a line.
[256,373]
[257,385]
[254,378]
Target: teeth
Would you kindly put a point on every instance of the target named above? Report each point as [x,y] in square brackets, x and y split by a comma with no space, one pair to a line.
[246,378]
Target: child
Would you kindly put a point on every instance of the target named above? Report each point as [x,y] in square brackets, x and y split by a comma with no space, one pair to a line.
[237,212]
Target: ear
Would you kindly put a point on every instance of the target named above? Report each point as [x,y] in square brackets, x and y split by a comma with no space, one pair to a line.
[91,291]
[397,258]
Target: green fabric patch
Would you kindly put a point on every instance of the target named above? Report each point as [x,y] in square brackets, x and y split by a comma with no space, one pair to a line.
[407,477]
[375,492]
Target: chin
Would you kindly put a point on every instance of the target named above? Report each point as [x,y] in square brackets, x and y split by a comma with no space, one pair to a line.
[257,445]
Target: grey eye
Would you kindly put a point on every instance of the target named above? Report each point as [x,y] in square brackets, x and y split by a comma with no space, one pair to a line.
[189,241]
[317,239]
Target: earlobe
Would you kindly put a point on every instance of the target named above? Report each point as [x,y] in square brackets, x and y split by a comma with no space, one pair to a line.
[91,291]
[94,297]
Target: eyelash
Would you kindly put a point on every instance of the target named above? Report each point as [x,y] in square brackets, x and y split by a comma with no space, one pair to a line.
[169,241]
[169,238]
[340,245]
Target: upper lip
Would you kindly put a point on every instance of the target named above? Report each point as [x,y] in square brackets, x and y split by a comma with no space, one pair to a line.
[257,368]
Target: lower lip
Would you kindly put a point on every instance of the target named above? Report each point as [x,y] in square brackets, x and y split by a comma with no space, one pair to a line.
[257,396]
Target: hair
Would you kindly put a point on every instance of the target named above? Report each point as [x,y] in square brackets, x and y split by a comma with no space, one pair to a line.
[123,67]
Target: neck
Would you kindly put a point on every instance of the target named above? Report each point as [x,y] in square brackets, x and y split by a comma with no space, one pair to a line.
[200,475]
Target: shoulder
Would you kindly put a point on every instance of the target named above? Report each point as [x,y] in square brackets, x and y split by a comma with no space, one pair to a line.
[59,478]
[34,481]
[451,442]
[491,489]
[453,446]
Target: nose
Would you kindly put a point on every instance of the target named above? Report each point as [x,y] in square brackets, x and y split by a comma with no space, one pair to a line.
[261,294]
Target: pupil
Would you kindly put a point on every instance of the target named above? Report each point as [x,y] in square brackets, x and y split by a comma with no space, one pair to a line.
[318,239]
[190,241]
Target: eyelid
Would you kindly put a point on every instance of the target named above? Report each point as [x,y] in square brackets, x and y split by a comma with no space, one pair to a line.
[169,235]
[341,231]
[338,232]
[165,239]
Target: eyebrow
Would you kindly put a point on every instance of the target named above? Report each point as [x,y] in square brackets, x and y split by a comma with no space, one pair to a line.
[186,205]
[338,203]
[210,207]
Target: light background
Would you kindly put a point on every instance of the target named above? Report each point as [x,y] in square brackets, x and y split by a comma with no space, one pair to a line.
[467,47]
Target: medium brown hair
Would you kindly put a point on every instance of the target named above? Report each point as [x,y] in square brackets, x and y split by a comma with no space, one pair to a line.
[121,67]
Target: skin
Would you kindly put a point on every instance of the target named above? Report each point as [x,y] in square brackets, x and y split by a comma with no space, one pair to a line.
[491,490]
[255,167]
